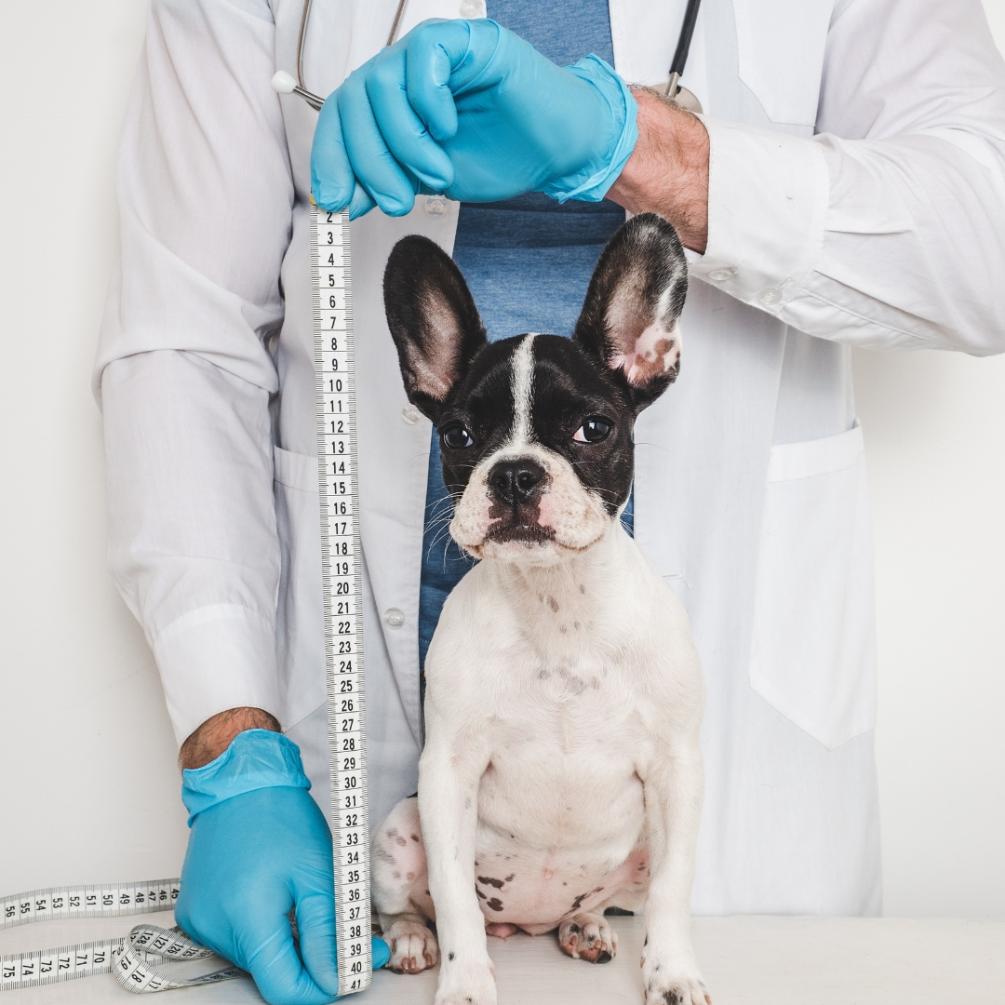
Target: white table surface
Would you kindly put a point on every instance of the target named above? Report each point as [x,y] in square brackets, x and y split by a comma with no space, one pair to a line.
[745,960]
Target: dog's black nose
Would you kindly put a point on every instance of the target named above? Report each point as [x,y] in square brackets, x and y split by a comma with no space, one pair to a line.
[516,481]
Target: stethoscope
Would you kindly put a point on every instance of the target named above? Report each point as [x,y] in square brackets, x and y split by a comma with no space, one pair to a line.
[673,91]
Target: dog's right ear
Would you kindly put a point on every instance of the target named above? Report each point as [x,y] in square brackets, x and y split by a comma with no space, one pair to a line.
[433,321]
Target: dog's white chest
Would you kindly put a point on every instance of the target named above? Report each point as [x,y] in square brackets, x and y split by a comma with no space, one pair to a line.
[560,805]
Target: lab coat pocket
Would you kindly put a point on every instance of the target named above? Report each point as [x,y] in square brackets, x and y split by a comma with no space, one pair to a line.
[813,645]
[780,46]
[299,620]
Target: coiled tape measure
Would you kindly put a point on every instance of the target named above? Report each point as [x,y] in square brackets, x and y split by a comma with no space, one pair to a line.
[135,959]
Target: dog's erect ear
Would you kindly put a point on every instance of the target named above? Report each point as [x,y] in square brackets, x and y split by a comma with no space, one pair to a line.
[629,319]
[432,319]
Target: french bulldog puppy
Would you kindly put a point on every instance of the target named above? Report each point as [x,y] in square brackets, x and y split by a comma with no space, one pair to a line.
[561,773]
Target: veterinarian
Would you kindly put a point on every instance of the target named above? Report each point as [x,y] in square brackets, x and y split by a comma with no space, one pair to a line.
[844,186]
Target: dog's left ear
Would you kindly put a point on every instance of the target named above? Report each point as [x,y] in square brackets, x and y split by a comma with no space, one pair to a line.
[628,324]
[432,319]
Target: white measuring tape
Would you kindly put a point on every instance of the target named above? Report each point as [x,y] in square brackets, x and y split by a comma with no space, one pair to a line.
[134,960]
[342,576]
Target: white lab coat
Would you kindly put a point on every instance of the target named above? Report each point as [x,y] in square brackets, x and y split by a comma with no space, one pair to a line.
[856,197]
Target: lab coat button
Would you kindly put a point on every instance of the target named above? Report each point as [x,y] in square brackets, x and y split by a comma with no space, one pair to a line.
[394,618]
[436,205]
[410,414]
[771,297]
[721,275]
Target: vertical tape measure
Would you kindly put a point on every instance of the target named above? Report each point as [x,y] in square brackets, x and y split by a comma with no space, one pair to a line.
[342,576]
[135,960]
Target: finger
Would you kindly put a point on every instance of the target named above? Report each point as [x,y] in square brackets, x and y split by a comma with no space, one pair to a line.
[332,180]
[278,971]
[430,58]
[361,203]
[404,132]
[381,952]
[318,947]
[372,163]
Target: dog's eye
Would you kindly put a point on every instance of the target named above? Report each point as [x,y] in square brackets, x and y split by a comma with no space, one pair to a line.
[594,429]
[456,437]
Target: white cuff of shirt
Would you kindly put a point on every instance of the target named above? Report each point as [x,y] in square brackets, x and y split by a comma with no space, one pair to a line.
[213,658]
[767,202]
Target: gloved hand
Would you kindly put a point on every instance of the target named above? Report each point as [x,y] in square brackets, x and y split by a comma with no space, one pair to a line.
[258,847]
[470,109]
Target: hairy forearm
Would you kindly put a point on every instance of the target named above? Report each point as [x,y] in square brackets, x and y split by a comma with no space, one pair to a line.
[213,737]
[668,170]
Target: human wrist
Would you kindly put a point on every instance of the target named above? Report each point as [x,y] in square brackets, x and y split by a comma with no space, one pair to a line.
[213,737]
[668,170]
[254,759]
[592,180]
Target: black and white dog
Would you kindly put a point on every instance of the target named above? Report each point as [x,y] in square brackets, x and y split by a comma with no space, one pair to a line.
[561,773]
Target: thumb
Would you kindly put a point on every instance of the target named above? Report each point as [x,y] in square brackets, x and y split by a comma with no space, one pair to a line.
[381,952]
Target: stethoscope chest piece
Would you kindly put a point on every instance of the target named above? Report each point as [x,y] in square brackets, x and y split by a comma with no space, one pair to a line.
[686,99]
[682,97]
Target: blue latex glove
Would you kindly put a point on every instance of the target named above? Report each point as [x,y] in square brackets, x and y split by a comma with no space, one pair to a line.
[470,109]
[258,847]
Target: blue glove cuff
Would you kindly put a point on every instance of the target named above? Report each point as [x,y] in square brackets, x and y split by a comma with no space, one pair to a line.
[592,182]
[255,759]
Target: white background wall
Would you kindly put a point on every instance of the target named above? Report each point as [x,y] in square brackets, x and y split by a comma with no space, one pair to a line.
[89,787]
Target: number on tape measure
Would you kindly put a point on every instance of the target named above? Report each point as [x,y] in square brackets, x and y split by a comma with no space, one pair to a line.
[135,959]
[128,959]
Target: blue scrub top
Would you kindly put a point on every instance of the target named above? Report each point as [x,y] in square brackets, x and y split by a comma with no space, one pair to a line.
[528,262]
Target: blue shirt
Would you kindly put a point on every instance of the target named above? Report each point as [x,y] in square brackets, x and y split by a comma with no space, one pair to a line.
[528,262]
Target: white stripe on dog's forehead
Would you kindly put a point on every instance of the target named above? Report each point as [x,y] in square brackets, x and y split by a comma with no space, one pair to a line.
[523,390]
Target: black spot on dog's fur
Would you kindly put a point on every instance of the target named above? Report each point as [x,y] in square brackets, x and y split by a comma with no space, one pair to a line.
[495,904]
[491,881]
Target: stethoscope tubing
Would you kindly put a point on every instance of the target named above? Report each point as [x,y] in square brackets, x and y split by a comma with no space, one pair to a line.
[684,38]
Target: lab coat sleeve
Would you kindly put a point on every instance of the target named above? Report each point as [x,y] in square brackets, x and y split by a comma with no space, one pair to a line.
[182,374]
[887,227]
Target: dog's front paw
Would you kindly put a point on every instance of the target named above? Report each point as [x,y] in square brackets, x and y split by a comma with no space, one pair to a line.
[460,984]
[670,983]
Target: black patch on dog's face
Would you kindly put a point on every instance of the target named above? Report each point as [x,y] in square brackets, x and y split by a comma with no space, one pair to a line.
[569,389]
[482,403]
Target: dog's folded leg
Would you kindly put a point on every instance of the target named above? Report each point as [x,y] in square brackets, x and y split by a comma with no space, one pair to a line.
[673,790]
[452,763]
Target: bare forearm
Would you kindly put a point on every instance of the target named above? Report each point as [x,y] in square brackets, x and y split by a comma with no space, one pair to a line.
[213,737]
[668,171]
